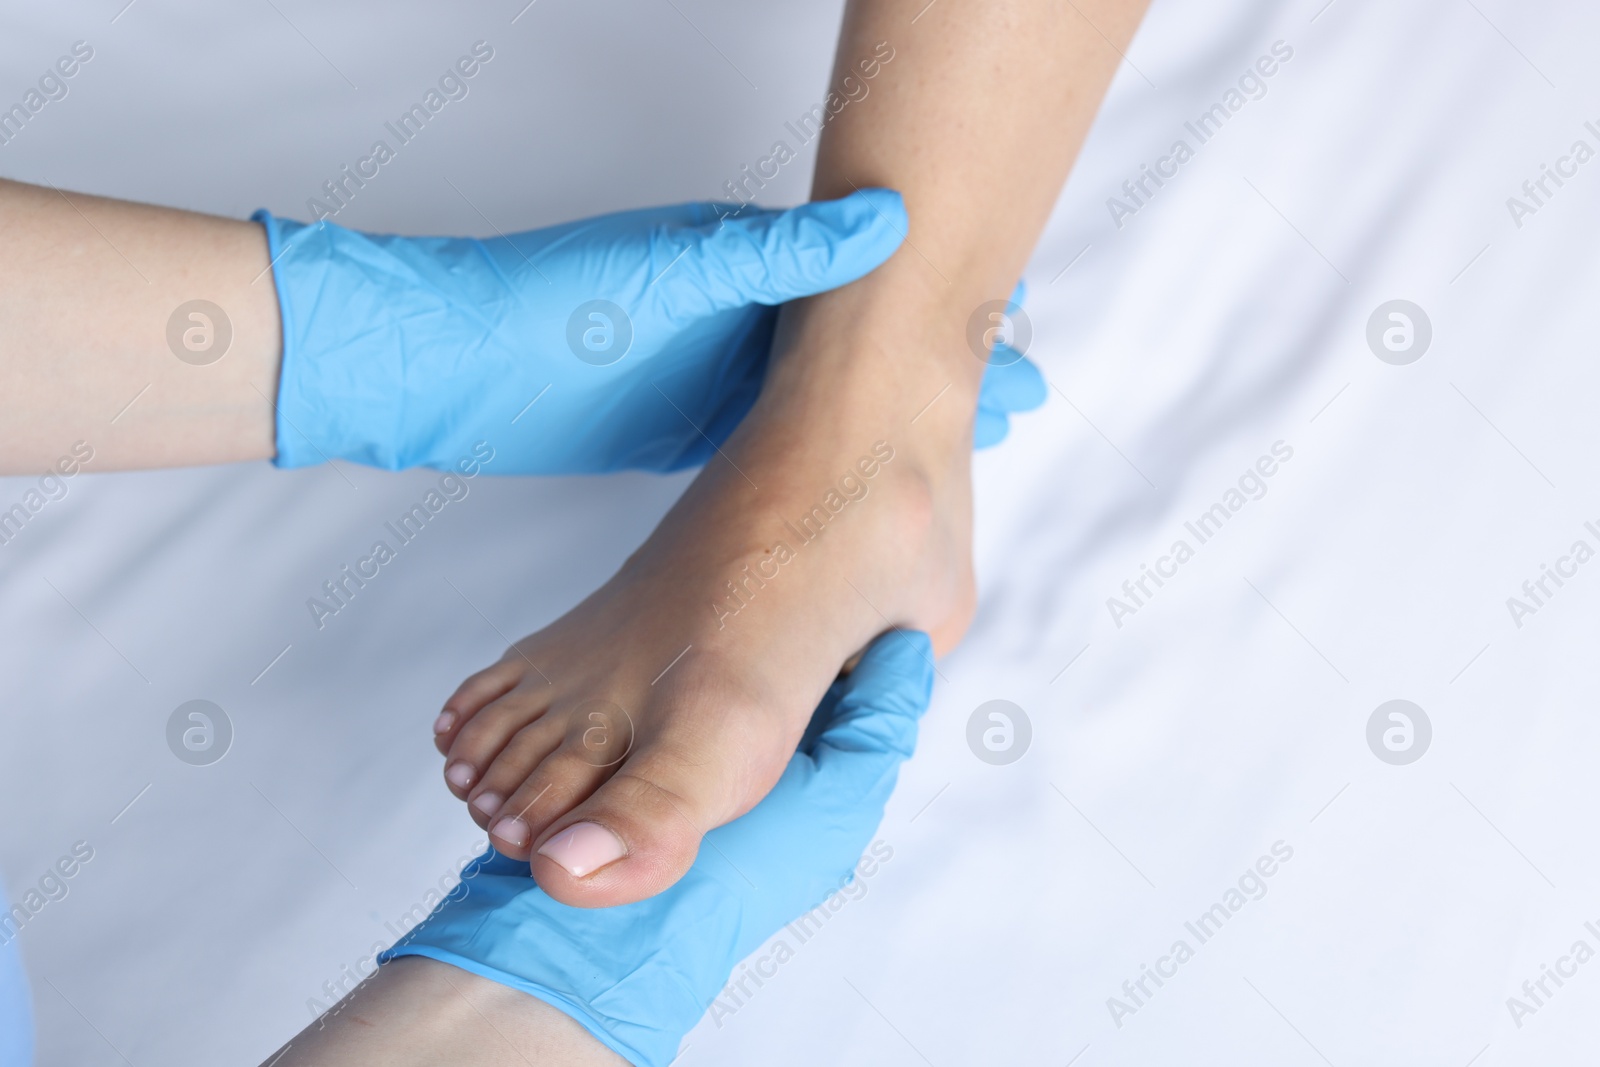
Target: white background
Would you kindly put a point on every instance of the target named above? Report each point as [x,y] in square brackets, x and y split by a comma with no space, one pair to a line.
[1228,714]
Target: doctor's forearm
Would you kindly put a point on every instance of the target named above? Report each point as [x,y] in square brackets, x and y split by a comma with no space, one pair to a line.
[107,348]
[418,1012]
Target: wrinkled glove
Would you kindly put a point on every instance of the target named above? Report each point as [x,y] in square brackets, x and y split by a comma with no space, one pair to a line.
[629,341]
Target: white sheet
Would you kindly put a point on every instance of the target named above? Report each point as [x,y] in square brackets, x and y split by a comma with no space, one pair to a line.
[1168,754]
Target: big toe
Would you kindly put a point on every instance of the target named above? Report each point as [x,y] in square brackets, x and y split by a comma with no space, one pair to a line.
[637,835]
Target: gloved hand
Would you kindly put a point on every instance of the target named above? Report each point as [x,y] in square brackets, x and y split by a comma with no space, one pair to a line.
[628,341]
[639,976]
[1011,384]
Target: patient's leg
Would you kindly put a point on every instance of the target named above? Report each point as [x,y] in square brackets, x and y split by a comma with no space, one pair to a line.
[670,700]
[418,1012]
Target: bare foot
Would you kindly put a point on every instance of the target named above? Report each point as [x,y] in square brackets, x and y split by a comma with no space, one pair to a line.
[669,701]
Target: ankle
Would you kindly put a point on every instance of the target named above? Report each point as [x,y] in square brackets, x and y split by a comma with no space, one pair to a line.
[855,393]
[885,359]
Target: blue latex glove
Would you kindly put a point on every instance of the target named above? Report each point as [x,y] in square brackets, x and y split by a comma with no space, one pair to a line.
[627,341]
[635,332]
[1008,388]
[1011,384]
[640,976]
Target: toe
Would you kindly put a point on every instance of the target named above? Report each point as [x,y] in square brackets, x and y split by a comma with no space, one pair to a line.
[484,736]
[562,780]
[634,837]
[575,746]
[470,697]
[512,767]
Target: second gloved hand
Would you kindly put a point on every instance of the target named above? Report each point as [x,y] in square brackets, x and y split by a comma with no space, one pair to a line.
[639,976]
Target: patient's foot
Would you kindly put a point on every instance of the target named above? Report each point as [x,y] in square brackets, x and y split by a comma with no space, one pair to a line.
[669,702]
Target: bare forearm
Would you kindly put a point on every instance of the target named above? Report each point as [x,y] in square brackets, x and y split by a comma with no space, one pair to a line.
[417,1012]
[90,289]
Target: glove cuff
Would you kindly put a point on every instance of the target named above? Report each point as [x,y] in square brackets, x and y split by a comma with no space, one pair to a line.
[573,1009]
[338,394]
[274,228]
[607,968]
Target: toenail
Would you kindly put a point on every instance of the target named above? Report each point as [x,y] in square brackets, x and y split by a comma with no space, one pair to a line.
[584,848]
[488,803]
[445,720]
[511,831]
[460,774]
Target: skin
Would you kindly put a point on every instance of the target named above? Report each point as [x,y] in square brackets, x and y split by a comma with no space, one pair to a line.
[417,1012]
[70,364]
[651,711]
